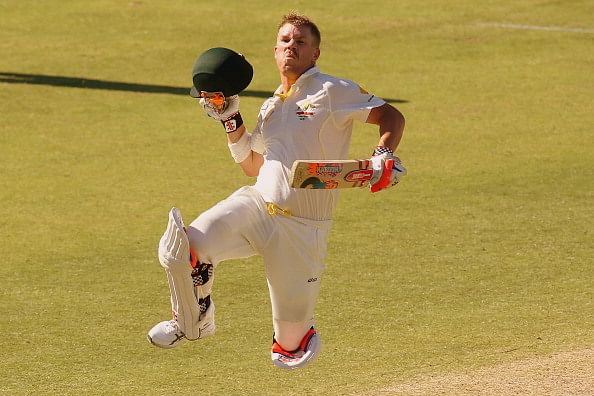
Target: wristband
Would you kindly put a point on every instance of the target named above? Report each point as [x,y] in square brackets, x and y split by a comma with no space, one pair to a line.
[379,150]
[242,148]
[233,123]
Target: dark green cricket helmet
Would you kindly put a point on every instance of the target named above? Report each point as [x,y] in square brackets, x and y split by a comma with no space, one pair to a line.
[221,70]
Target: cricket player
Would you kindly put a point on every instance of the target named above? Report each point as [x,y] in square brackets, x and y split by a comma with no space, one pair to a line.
[310,116]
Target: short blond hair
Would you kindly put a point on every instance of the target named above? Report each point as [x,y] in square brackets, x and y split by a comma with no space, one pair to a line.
[299,20]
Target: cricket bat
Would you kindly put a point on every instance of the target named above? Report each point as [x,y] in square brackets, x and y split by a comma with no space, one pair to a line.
[327,175]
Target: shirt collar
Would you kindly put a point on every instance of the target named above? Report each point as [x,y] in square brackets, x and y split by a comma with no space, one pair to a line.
[308,73]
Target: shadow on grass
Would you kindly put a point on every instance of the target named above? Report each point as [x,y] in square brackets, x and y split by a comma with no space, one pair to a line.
[88,83]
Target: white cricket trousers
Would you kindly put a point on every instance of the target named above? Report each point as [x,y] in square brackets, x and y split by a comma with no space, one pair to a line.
[293,251]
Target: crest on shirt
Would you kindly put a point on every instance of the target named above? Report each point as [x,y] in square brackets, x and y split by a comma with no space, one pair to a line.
[305,110]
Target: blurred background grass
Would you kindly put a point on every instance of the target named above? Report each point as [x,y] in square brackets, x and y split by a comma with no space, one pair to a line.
[482,255]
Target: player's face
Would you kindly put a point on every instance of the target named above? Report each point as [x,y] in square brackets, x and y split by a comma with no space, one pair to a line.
[296,50]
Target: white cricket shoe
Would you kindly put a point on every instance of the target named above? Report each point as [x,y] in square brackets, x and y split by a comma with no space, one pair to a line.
[166,334]
[306,353]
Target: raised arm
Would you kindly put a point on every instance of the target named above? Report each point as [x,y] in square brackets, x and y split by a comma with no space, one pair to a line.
[238,139]
[239,144]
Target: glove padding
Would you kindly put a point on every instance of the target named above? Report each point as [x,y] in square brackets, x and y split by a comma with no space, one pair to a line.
[387,171]
[230,109]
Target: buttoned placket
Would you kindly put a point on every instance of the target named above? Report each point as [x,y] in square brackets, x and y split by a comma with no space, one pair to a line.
[286,104]
[289,103]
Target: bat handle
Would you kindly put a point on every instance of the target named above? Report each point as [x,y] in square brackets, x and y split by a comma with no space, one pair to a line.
[385,178]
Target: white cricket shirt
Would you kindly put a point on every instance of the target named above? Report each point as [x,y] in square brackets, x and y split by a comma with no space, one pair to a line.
[314,121]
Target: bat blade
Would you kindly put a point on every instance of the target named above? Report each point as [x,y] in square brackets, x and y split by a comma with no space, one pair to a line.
[330,174]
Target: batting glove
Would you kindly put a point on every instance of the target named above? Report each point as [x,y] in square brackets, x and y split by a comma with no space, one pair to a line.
[228,113]
[387,170]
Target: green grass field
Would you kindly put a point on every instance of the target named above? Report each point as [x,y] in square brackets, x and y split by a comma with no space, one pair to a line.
[482,255]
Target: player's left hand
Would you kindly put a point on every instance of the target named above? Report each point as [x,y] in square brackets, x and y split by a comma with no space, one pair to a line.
[387,171]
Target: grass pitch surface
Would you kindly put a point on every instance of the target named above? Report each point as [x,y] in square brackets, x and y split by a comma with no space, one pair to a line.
[482,255]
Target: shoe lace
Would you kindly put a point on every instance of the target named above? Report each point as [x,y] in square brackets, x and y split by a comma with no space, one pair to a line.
[172,327]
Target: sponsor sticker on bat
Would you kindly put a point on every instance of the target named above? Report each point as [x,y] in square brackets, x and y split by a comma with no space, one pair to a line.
[359,175]
[325,169]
